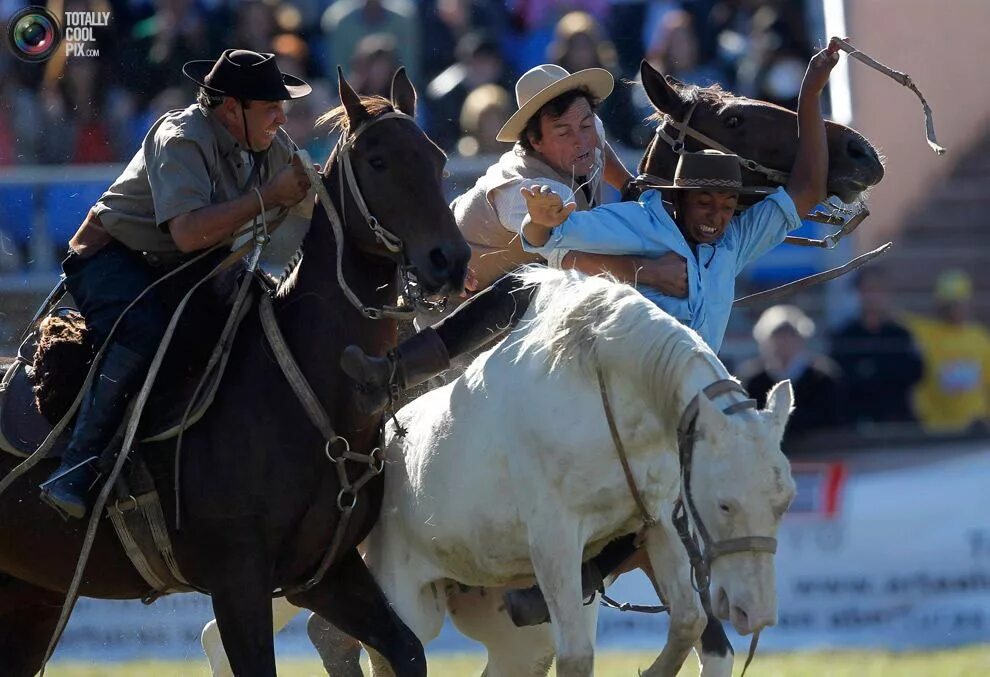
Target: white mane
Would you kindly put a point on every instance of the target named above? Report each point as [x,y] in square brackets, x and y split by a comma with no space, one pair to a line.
[597,320]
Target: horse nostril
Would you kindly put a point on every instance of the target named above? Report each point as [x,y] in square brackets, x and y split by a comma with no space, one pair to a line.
[741,613]
[439,259]
[859,150]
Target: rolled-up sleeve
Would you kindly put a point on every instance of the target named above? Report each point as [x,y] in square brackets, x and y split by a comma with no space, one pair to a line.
[620,228]
[510,205]
[762,227]
[178,175]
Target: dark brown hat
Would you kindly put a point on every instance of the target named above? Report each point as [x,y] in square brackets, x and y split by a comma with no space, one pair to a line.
[245,74]
[710,170]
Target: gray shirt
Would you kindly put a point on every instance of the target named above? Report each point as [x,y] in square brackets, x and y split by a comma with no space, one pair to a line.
[188,160]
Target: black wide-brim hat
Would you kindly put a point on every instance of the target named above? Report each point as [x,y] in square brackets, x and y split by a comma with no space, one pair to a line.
[245,74]
[710,170]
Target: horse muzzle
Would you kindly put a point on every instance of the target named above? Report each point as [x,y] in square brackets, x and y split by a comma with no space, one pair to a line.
[747,614]
[442,269]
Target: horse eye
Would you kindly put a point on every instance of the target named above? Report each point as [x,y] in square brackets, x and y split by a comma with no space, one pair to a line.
[724,507]
[377,163]
[733,122]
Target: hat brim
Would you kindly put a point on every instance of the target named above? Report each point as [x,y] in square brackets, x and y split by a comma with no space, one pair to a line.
[742,190]
[199,69]
[598,81]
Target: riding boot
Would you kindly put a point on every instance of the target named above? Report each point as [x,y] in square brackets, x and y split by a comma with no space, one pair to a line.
[528,607]
[100,414]
[486,318]
[415,360]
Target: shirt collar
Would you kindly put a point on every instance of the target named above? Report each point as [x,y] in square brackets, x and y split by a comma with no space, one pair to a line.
[229,146]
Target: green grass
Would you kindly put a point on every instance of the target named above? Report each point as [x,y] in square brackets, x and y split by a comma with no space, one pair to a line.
[968,662]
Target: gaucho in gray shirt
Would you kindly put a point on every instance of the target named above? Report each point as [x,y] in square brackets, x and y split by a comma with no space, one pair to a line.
[200,174]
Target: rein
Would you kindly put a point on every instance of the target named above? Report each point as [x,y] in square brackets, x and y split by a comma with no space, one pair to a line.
[684,129]
[336,448]
[410,289]
[701,559]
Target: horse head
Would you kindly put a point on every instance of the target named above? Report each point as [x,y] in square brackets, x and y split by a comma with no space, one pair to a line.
[741,486]
[752,129]
[395,174]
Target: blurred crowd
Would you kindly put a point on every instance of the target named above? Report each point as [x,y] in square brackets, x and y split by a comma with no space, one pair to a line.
[463,56]
[883,369]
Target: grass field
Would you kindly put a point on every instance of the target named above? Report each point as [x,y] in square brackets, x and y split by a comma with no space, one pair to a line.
[969,662]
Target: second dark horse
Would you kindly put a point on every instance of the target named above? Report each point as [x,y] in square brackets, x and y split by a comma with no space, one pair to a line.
[260,496]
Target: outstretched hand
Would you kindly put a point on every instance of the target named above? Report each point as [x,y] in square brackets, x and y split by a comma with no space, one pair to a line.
[546,208]
[819,69]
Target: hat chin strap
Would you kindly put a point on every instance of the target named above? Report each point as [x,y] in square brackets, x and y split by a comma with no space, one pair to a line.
[257,157]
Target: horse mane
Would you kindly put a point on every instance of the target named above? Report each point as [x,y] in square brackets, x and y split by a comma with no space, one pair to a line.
[597,320]
[336,118]
[713,94]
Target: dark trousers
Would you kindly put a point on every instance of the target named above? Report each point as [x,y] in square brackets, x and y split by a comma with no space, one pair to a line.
[104,284]
[487,317]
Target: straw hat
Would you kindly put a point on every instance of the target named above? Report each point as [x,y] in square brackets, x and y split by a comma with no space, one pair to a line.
[542,84]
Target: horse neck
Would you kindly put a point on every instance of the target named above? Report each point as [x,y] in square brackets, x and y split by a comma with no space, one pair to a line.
[316,316]
[700,374]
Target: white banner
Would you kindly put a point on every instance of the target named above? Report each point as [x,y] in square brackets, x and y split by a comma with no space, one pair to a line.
[887,558]
[893,559]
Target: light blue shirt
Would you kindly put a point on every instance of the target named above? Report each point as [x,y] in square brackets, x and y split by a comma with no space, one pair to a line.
[645,228]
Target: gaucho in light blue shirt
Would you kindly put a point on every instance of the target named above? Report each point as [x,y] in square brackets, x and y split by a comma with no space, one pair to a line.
[647,229]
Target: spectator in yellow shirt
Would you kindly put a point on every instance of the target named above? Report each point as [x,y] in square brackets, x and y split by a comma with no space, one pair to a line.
[954,393]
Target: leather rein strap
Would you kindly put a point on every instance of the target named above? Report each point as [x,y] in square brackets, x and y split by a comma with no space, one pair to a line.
[686,435]
[389,240]
[686,432]
[678,145]
[644,511]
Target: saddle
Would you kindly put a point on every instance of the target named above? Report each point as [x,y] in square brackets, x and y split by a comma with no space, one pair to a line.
[31,405]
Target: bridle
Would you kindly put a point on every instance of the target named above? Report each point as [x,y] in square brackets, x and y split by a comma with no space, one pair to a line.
[686,436]
[411,291]
[679,146]
[835,213]
[701,558]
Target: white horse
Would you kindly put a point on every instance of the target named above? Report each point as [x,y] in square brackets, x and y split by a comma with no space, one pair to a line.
[511,471]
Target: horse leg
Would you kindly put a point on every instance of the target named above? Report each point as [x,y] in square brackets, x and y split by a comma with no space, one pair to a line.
[239,581]
[28,616]
[672,576]
[350,599]
[340,653]
[714,650]
[556,554]
[282,613]
[512,651]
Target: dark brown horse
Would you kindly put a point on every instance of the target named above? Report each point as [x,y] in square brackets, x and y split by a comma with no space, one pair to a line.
[760,132]
[260,498]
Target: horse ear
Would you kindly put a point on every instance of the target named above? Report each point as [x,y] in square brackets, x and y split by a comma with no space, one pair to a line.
[403,93]
[356,114]
[664,97]
[780,404]
[711,419]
